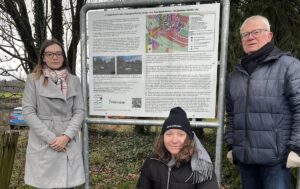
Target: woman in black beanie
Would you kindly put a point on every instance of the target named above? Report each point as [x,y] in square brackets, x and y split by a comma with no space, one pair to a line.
[179,161]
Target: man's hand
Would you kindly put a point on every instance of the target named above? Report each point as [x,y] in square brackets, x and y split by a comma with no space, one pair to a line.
[293,160]
[230,157]
[59,143]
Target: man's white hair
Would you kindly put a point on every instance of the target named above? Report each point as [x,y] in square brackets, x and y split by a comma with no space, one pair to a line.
[258,17]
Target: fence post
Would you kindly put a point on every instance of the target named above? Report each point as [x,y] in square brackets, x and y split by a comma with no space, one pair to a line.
[8,147]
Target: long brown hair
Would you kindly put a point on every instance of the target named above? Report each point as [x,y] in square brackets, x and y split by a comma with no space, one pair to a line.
[38,70]
[160,151]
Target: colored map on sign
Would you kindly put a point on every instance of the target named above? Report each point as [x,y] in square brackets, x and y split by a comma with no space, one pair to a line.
[167,33]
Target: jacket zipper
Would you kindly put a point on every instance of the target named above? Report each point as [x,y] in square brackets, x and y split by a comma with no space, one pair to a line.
[169,172]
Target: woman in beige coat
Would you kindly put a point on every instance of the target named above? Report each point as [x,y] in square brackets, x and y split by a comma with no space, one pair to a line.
[54,110]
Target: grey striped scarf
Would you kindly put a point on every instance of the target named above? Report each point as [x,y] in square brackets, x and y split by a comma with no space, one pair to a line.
[202,167]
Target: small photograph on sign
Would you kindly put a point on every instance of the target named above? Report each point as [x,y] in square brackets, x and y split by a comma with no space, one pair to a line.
[104,65]
[129,64]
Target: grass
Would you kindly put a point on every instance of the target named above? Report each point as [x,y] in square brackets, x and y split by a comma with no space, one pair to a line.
[115,157]
[11,95]
[116,154]
[116,163]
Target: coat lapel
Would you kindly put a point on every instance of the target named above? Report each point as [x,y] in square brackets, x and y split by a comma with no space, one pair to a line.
[51,90]
[71,86]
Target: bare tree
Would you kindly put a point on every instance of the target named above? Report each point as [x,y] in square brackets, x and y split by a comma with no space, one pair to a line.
[40,20]
[21,37]
[75,15]
[57,25]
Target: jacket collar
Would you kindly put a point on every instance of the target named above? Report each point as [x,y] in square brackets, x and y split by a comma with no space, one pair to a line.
[52,91]
[275,54]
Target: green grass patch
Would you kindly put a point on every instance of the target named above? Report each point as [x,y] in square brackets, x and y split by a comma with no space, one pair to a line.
[11,95]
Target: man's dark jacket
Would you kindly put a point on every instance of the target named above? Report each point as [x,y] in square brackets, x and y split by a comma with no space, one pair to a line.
[263,110]
[154,175]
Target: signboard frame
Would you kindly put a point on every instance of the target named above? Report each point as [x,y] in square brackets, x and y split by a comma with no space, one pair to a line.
[217,123]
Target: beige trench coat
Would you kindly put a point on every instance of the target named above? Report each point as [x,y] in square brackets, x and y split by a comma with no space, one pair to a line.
[49,114]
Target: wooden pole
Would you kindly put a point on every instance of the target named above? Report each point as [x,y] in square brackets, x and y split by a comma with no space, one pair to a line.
[8,148]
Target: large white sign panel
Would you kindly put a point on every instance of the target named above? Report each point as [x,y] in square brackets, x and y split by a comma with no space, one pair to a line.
[143,62]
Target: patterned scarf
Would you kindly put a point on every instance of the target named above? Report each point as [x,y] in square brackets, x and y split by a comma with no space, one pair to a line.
[59,77]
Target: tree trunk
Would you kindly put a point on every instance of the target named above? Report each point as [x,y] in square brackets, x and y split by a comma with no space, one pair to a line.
[39,22]
[56,13]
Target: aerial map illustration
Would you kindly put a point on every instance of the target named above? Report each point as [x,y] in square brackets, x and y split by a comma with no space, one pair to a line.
[167,33]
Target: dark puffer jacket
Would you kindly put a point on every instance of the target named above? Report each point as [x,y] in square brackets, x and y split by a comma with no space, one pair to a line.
[263,110]
[157,175]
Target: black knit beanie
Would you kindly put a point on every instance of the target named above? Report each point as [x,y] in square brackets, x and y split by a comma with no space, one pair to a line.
[177,120]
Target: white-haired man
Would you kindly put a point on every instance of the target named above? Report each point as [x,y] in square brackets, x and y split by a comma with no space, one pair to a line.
[263,109]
